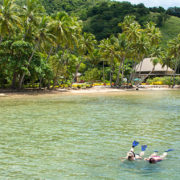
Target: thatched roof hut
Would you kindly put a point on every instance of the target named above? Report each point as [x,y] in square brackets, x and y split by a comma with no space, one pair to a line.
[147,66]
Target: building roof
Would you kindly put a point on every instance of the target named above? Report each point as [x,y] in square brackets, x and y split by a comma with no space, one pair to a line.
[147,66]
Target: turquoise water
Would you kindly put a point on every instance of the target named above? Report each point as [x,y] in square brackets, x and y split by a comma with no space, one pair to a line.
[84,136]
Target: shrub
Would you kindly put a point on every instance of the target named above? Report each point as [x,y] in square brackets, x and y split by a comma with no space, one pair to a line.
[92,75]
[81,86]
[167,80]
[177,80]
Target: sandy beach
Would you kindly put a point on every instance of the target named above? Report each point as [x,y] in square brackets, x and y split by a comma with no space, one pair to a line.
[93,90]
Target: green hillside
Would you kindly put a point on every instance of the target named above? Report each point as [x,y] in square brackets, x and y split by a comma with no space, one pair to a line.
[101,17]
[170,29]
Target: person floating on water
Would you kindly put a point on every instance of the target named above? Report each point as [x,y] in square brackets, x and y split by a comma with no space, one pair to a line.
[154,158]
[131,156]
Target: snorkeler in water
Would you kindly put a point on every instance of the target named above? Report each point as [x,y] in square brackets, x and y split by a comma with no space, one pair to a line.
[154,158]
[131,156]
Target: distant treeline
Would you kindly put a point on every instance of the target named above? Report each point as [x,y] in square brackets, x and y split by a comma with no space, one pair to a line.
[80,7]
[173,11]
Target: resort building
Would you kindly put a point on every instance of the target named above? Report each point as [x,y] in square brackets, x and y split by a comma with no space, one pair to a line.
[146,68]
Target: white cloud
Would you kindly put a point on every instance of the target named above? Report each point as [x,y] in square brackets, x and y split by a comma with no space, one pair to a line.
[152,3]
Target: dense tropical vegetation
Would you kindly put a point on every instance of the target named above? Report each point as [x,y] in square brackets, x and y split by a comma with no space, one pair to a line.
[41,49]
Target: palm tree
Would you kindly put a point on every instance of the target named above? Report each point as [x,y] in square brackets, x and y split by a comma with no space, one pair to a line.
[9,19]
[142,41]
[65,28]
[153,33]
[174,54]
[108,50]
[32,10]
[85,46]
[131,28]
[41,37]
[123,51]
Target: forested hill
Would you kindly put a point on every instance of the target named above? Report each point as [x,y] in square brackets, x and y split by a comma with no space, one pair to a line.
[101,17]
[78,7]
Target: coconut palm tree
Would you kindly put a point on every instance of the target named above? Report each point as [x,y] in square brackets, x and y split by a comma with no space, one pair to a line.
[123,51]
[131,28]
[107,50]
[9,19]
[174,54]
[142,41]
[65,28]
[30,14]
[153,33]
[85,45]
[40,38]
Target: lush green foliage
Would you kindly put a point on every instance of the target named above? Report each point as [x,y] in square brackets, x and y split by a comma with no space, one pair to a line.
[163,81]
[79,7]
[102,19]
[43,50]
[170,29]
[174,11]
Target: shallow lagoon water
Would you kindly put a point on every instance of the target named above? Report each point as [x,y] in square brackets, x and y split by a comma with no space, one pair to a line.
[84,136]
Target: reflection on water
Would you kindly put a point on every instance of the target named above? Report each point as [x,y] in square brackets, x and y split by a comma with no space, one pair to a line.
[84,136]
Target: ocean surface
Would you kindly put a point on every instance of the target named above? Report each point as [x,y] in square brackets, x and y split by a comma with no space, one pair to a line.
[83,137]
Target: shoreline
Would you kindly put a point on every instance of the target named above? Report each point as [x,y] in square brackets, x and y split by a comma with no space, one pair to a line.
[93,90]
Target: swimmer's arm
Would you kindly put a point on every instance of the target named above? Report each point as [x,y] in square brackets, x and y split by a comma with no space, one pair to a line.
[164,155]
[154,154]
[146,159]
[123,159]
[139,157]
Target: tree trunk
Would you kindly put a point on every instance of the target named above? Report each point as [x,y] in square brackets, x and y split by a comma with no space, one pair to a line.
[29,61]
[122,76]
[14,80]
[40,79]
[111,74]
[54,82]
[48,84]
[171,84]
[77,69]
[132,74]
[1,39]
[145,77]
[103,73]
[21,80]
[55,79]
[119,71]
[49,54]
[174,75]
[140,68]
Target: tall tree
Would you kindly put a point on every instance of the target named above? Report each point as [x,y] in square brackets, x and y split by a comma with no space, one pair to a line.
[85,46]
[108,50]
[123,51]
[174,54]
[9,19]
